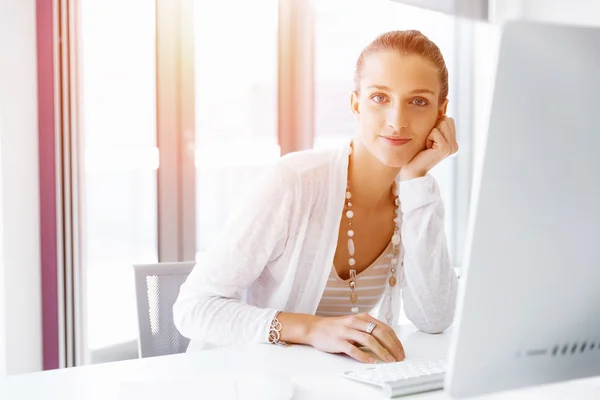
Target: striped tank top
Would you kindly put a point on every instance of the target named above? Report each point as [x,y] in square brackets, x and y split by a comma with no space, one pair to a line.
[370,286]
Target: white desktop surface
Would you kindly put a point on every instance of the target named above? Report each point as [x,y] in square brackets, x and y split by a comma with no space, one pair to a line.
[211,374]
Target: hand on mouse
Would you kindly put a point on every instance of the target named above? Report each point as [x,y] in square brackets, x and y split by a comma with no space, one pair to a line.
[440,144]
[345,334]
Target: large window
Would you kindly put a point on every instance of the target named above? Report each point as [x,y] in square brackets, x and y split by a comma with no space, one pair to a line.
[135,80]
[118,115]
[236,104]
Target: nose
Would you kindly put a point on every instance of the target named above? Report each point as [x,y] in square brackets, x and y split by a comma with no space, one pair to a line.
[397,118]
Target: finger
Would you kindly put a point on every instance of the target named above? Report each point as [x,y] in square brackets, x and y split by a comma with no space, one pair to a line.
[452,125]
[358,354]
[447,127]
[394,348]
[399,353]
[453,141]
[386,335]
[444,128]
[383,327]
[439,141]
[372,343]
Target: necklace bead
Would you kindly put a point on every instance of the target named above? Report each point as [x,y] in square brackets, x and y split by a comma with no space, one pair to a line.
[351,247]
[396,240]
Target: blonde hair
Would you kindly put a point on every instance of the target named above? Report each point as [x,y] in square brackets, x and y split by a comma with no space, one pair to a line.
[405,43]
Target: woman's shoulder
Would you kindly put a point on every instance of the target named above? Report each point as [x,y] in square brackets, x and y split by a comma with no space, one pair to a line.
[303,172]
[314,161]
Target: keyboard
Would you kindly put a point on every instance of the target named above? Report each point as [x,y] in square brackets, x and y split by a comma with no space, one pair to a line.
[402,378]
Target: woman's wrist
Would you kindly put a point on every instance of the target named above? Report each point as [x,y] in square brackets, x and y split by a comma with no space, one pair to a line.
[297,328]
[408,174]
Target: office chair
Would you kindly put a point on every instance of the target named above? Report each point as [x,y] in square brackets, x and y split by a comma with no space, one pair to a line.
[157,287]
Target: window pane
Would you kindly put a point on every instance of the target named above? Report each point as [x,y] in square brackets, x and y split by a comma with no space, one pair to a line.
[120,158]
[343,29]
[236,104]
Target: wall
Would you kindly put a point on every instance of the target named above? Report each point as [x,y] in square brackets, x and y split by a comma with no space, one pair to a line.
[2,281]
[577,12]
[486,45]
[20,308]
[487,41]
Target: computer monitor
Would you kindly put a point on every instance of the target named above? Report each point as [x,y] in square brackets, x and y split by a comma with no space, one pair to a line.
[529,303]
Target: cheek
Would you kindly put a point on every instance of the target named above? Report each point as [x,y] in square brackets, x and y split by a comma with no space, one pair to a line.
[372,117]
[423,123]
[372,110]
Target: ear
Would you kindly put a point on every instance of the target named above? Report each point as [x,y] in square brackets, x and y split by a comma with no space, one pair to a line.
[354,103]
[443,108]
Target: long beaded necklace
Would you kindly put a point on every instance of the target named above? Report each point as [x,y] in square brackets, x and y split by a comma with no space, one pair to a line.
[352,248]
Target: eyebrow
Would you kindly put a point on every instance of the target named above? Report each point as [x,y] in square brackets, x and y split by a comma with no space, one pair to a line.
[427,91]
[416,91]
[379,87]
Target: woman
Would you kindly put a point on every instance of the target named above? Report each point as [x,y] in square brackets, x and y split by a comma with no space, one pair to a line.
[329,236]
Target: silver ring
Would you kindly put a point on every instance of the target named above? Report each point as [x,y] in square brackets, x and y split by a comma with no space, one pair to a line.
[370,327]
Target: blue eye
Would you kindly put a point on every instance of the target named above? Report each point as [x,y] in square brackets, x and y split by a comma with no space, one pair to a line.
[378,98]
[420,102]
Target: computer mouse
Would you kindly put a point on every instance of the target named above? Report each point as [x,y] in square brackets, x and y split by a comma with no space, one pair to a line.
[272,386]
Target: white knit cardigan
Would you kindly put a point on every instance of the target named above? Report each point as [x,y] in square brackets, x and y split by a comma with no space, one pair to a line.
[276,252]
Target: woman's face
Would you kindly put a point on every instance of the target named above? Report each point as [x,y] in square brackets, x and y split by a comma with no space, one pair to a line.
[397,107]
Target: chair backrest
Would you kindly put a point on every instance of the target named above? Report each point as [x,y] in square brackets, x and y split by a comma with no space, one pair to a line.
[157,287]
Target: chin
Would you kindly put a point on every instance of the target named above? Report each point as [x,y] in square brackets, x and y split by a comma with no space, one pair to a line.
[394,158]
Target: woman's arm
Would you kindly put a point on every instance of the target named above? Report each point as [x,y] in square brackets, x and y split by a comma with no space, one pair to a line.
[429,283]
[209,307]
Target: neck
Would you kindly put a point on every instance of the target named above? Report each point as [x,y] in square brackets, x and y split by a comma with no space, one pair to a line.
[371,182]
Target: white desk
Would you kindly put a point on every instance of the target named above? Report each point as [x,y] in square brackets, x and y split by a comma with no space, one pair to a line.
[202,375]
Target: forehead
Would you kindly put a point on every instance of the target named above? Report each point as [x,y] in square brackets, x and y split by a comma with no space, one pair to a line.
[399,72]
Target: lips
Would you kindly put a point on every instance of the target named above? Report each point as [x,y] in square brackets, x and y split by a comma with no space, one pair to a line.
[396,141]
